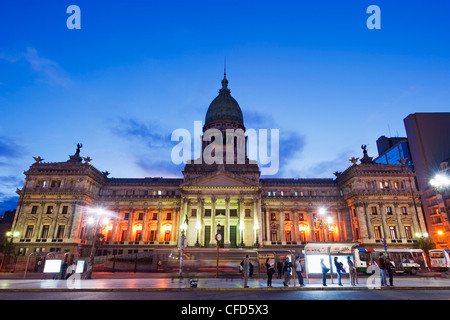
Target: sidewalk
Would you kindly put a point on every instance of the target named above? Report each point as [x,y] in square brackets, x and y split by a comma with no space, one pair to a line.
[169,282]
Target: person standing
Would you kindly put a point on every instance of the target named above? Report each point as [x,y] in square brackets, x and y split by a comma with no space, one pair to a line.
[287,272]
[382,266]
[299,271]
[338,266]
[246,270]
[351,271]
[325,270]
[279,269]
[270,271]
[390,271]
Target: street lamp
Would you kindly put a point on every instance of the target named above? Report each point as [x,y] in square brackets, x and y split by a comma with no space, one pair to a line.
[11,235]
[98,217]
[322,221]
[198,226]
[241,228]
[256,227]
[218,238]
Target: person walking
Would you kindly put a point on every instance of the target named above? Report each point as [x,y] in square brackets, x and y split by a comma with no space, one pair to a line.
[325,270]
[351,271]
[390,271]
[338,265]
[279,269]
[270,271]
[299,271]
[382,266]
[287,272]
[246,270]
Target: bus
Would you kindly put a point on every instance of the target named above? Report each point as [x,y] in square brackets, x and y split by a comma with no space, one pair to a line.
[440,259]
[404,260]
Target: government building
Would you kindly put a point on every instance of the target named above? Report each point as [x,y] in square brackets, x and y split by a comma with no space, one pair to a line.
[363,204]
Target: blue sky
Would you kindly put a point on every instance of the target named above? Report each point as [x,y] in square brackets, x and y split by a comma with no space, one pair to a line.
[137,70]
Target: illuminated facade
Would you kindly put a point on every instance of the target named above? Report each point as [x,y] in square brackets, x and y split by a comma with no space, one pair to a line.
[365,203]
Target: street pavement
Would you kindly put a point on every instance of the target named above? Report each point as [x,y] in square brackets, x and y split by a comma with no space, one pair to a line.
[170,282]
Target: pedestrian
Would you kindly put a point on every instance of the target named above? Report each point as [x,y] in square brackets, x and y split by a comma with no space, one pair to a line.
[325,270]
[246,270]
[390,271]
[63,270]
[351,271]
[382,266]
[287,272]
[270,271]
[338,265]
[70,270]
[279,269]
[299,271]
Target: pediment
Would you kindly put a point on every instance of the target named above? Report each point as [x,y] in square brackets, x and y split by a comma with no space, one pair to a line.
[221,180]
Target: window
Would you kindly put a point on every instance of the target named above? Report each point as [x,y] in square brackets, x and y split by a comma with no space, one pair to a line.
[233,212]
[65,209]
[286,217]
[29,232]
[302,236]
[152,235]
[49,209]
[127,216]
[300,217]
[377,231]
[273,216]
[393,233]
[193,212]
[169,216]
[155,216]
[34,209]
[159,192]
[288,235]
[273,236]
[374,210]
[167,236]
[207,212]
[44,233]
[60,233]
[404,211]
[247,212]
[408,232]
[389,211]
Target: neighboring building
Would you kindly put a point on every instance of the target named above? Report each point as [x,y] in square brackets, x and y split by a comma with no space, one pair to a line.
[429,144]
[365,203]
[393,151]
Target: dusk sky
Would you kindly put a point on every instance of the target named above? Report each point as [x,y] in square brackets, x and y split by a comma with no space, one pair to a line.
[137,70]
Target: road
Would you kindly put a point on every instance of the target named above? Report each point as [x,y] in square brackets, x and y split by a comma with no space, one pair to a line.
[238,295]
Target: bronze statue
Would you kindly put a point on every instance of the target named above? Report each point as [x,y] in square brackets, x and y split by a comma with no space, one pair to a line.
[79,146]
[364,147]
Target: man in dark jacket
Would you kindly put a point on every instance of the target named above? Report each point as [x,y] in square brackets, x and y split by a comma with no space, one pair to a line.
[390,271]
[287,271]
[382,266]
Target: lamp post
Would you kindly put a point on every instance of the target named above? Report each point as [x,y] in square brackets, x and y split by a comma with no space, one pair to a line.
[322,221]
[218,238]
[256,227]
[183,242]
[98,217]
[241,228]
[11,235]
[198,226]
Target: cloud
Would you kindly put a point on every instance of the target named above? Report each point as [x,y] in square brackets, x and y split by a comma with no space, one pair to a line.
[151,134]
[9,149]
[161,168]
[47,70]
[9,203]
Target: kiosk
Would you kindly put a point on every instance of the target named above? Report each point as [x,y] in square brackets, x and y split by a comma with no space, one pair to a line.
[316,251]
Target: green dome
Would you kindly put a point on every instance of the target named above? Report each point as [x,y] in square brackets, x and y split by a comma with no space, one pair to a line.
[224,108]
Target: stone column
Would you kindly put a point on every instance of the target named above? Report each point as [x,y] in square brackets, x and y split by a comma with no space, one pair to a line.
[241,220]
[130,224]
[158,224]
[281,214]
[212,241]
[383,221]
[267,213]
[311,223]
[144,224]
[115,220]
[227,222]
[401,229]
